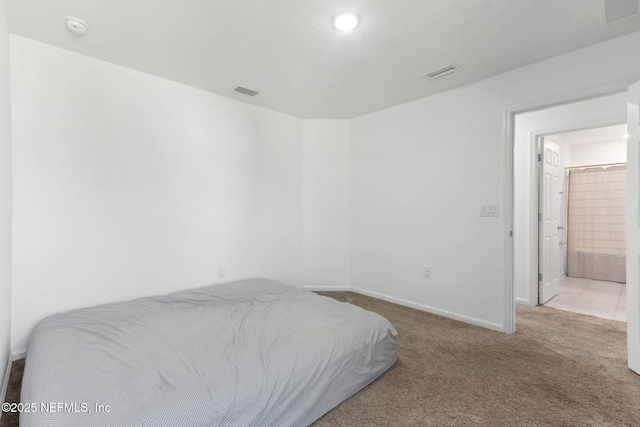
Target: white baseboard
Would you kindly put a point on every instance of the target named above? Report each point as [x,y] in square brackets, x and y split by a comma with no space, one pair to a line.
[422,307]
[20,353]
[410,304]
[327,288]
[523,301]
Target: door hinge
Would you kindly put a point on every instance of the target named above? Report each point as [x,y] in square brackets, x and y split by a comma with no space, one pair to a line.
[539,277]
[510,233]
[539,157]
[539,217]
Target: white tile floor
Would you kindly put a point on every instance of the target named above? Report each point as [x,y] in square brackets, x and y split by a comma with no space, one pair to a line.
[592,297]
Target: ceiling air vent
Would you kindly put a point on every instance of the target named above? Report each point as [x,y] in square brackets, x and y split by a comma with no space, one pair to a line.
[441,72]
[611,11]
[246,91]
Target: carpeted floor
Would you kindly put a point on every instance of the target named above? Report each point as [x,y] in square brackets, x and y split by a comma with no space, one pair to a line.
[558,369]
[13,393]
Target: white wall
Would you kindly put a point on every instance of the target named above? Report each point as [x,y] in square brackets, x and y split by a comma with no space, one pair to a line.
[5,200]
[599,152]
[127,185]
[326,203]
[420,172]
[601,111]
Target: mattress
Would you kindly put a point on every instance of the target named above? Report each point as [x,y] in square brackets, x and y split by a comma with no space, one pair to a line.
[247,353]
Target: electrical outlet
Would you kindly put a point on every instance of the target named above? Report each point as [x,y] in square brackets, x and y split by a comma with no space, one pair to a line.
[221,271]
[426,272]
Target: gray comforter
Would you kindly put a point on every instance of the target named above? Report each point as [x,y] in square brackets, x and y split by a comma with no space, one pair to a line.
[249,353]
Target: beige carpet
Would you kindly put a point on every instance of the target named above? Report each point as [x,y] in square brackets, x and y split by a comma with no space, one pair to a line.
[559,369]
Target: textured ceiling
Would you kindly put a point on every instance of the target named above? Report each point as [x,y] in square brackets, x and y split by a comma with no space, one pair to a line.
[289,52]
[590,136]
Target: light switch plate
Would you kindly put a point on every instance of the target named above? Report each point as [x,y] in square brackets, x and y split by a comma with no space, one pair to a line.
[489,210]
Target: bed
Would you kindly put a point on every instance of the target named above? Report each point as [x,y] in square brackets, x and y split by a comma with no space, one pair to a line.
[246,353]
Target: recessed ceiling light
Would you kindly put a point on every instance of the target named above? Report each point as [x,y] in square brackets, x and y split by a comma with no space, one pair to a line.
[346,21]
[76,25]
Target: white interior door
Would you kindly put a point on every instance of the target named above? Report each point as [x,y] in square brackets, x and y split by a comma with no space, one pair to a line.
[633,227]
[550,268]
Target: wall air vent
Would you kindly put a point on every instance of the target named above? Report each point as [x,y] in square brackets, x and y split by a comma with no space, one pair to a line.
[441,72]
[246,91]
[611,11]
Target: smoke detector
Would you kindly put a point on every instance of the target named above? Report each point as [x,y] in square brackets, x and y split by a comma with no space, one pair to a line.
[76,25]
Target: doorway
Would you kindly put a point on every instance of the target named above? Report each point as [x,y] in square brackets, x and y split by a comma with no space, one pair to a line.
[582,232]
[519,152]
[529,128]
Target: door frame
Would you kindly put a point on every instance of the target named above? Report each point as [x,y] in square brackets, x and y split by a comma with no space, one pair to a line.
[509,307]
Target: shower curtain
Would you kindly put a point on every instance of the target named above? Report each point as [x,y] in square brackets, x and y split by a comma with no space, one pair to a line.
[596,228]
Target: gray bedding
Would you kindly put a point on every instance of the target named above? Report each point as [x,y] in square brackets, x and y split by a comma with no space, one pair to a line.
[248,353]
